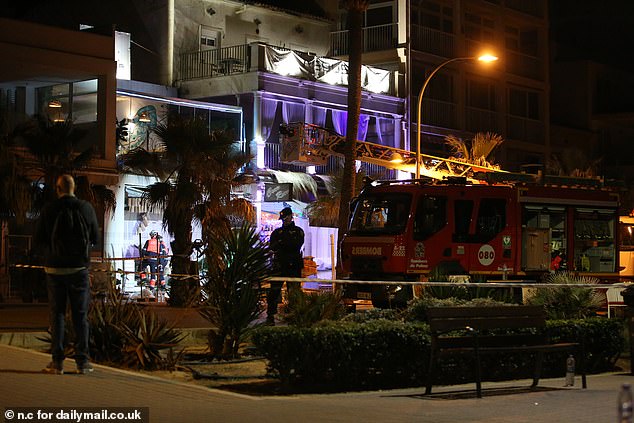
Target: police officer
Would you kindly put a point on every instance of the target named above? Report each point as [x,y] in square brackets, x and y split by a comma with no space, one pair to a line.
[285,243]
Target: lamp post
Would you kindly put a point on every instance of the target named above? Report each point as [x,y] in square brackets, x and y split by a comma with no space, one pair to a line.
[483,58]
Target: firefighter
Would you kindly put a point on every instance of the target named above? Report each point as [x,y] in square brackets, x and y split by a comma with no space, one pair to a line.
[285,243]
[162,261]
[151,251]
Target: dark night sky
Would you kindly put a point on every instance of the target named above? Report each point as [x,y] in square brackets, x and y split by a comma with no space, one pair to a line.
[590,29]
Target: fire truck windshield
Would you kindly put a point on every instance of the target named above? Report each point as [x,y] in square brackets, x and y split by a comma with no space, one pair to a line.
[381,213]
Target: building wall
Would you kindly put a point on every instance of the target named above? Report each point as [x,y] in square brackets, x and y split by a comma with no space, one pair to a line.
[34,54]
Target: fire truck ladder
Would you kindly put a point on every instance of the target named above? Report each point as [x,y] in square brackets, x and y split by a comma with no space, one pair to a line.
[311,145]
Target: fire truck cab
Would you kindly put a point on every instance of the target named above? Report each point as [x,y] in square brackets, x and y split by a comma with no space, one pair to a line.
[414,230]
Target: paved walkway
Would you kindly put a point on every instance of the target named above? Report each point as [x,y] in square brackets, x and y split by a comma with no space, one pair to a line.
[22,384]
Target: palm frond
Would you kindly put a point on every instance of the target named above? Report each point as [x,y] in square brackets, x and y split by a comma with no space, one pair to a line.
[303,184]
[459,147]
[143,162]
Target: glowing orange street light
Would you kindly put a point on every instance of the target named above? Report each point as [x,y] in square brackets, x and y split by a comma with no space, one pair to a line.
[482,58]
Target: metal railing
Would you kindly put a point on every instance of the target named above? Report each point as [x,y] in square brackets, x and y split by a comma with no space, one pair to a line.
[523,129]
[375,38]
[432,41]
[479,120]
[219,62]
[439,113]
[524,65]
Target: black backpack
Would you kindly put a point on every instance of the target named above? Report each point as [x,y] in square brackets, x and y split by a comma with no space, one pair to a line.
[70,237]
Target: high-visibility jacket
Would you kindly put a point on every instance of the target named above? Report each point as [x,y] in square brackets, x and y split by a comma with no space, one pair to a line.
[152,248]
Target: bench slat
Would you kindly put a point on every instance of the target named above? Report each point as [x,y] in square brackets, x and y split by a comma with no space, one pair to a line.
[450,335]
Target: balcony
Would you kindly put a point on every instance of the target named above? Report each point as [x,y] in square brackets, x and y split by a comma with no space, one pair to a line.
[375,38]
[481,120]
[439,113]
[254,57]
[524,65]
[528,130]
[432,41]
[211,63]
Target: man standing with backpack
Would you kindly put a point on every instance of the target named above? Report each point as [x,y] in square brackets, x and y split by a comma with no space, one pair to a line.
[66,231]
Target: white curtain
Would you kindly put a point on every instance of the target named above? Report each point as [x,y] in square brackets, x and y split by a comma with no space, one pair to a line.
[385,131]
[317,115]
[362,132]
[293,112]
[339,121]
[269,109]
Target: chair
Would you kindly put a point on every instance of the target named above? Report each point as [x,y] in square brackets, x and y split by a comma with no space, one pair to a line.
[614,298]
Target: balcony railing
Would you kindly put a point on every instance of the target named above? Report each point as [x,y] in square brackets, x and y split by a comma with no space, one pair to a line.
[218,62]
[524,65]
[438,113]
[523,129]
[530,7]
[375,38]
[481,120]
[432,41]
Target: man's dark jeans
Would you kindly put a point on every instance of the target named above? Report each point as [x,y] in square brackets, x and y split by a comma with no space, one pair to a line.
[76,289]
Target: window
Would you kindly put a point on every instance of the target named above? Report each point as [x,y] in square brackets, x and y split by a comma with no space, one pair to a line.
[519,41]
[432,15]
[76,101]
[479,28]
[481,95]
[594,249]
[380,214]
[431,216]
[524,103]
[208,38]
[491,218]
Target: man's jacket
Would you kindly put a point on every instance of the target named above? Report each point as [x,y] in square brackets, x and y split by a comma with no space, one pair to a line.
[44,231]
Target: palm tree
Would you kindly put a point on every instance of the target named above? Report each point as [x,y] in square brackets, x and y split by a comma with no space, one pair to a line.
[325,210]
[197,170]
[356,9]
[53,149]
[477,152]
[572,162]
[15,188]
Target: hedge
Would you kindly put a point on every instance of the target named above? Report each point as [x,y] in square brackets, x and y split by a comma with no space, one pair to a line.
[382,354]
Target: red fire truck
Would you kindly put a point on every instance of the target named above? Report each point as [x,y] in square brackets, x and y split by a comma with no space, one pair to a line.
[411,230]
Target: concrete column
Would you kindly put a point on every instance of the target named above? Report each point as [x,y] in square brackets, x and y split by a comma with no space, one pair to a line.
[257,142]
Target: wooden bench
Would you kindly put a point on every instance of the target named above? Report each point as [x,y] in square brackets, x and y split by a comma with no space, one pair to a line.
[471,330]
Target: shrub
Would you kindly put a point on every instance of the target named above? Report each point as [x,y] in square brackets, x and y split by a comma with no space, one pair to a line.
[417,308]
[144,342]
[338,356]
[567,302]
[306,309]
[238,264]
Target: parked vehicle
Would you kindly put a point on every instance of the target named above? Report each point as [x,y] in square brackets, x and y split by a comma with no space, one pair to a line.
[409,230]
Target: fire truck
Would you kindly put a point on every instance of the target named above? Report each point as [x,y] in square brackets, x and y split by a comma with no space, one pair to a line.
[626,248]
[462,219]
[411,230]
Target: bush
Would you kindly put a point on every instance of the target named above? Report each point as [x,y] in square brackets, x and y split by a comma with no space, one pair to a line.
[567,302]
[337,356]
[238,264]
[382,354]
[306,309]
[417,308]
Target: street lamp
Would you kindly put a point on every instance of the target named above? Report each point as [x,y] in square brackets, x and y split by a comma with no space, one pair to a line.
[483,58]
